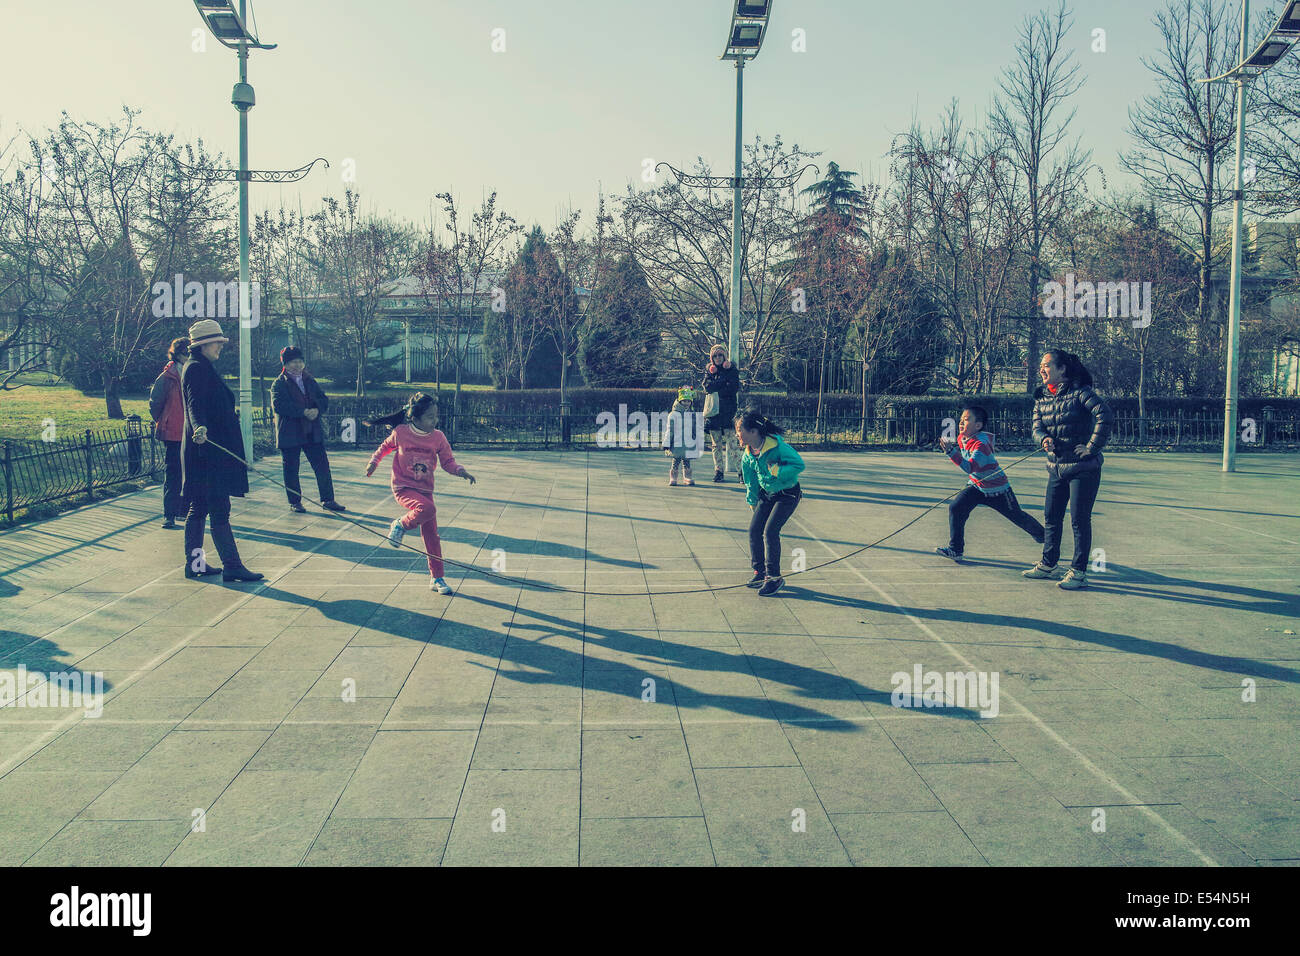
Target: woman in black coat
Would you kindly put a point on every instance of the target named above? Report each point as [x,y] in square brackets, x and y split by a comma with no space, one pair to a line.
[298,403]
[1072,423]
[211,476]
[723,379]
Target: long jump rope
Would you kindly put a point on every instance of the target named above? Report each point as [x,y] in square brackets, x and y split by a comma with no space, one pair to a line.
[553,587]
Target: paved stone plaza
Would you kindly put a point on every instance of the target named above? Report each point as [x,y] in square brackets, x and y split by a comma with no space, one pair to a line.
[507,725]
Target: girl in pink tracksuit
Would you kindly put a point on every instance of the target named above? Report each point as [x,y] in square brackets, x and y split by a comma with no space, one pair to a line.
[418,448]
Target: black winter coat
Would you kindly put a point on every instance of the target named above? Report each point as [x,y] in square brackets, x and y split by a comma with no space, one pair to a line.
[1075,415]
[292,428]
[208,401]
[726,382]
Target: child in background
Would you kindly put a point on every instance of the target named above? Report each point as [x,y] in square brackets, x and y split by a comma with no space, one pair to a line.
[683,436]
[973,454]
[418,449]
[770,469]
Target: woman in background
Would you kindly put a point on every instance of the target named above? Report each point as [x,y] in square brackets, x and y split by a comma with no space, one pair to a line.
[167,409]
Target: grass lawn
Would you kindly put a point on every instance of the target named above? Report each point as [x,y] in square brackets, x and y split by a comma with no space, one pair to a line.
[23,411]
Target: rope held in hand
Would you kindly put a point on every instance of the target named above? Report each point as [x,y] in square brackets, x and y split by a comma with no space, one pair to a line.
[563,590]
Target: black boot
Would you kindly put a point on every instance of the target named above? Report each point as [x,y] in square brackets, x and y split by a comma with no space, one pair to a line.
[224,538]
[195,556]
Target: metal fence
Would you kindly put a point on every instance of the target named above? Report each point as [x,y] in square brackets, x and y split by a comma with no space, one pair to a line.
[40,472]
[891,427]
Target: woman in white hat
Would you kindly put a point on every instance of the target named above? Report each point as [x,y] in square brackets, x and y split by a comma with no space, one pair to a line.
[211,476]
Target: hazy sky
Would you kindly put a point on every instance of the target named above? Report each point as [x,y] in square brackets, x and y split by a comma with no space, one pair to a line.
[585,90]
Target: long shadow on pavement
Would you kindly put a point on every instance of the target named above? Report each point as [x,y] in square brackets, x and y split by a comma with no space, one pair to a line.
[1121,642]
[555,666]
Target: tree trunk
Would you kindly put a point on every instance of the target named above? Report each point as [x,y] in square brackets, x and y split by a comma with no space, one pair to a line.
[360,390]
[1142,396]
[111,399]
[821,385]
[564,370]
[864,400]
[1033,345]
[455,401]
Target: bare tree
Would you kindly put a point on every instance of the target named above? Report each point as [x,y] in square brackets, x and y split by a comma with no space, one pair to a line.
[25,296]
[964,205]
[1183,134]
[585,261]
[361,257]
[457,272]
[120,217]
[682,238]
[1030,116]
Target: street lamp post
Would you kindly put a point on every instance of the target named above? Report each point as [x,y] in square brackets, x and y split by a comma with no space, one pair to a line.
[228,26]
[1278,42]
[749,22]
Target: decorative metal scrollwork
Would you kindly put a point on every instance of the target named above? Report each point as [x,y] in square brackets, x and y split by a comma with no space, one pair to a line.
[729,182]
[253,175]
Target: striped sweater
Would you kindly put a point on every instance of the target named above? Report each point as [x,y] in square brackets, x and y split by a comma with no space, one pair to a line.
[975,457]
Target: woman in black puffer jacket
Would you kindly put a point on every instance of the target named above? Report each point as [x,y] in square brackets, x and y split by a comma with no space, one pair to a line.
[1072,424]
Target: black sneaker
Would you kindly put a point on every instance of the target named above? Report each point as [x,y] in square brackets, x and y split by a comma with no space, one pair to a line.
[949,553]
[298,508]
[207,570]
[332,506]
[717,476]
[757,580]
[770,587]
[170,524]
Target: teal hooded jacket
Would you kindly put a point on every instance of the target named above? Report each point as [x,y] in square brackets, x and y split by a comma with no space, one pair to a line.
[775,469]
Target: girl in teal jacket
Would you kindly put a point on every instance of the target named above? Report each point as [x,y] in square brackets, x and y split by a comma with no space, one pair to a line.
[770,469]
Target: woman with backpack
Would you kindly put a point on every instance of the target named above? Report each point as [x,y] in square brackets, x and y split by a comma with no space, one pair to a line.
[1072,424]
[167,409]
[721,385]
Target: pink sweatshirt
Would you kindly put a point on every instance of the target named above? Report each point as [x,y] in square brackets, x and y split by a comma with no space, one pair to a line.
[417,457]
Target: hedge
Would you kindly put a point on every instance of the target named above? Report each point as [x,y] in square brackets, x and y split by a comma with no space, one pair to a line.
[586,403]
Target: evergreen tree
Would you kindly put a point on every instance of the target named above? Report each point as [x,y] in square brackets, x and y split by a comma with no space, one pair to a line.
[624,331]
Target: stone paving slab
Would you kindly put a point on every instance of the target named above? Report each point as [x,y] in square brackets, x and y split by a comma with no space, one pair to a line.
[341,714]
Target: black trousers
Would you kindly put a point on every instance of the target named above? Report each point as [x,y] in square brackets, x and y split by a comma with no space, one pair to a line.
[1080,492]
[173,500]
[1004,504]
[770,515]
[320,464]
[215,507]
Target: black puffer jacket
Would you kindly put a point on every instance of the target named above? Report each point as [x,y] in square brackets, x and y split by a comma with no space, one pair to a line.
[208,401]
[726,382]
[1075,415]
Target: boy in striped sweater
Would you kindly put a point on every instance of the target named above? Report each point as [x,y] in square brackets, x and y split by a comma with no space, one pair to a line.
[973,454]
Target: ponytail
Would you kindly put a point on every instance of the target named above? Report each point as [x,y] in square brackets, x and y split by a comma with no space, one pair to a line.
[752,420]
[1075,372]
[419,404]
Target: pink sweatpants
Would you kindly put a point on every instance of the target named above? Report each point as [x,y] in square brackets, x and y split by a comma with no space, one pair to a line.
[421,513]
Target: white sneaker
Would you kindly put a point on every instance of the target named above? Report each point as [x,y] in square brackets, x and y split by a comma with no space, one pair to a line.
[1073,580]
[439,585]
[395,532]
